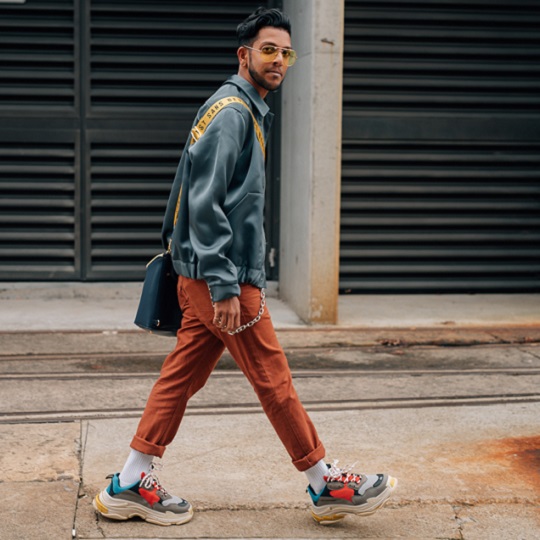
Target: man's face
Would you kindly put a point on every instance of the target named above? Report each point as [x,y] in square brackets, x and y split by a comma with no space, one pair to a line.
[265,76]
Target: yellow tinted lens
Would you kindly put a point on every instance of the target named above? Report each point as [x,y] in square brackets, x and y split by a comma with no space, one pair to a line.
[268,53]
[289,56]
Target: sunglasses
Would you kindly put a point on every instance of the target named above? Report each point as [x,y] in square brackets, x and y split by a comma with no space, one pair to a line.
[269,54]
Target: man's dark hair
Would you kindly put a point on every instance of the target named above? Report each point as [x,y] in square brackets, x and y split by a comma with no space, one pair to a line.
[247,30]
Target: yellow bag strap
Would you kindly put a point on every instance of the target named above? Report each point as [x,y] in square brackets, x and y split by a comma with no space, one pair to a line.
[204,122]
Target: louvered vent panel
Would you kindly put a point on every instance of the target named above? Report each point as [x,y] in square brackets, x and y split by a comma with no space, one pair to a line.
[441,174]
[37,57]
[130,184]
[141,70]
[453,55]
[37,209]
[440,216]
[152,65]
[161,55]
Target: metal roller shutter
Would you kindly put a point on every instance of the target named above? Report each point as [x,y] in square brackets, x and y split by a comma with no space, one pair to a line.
[38,48]
[37,205]
[38,141]
[131,173]
[151,66]
[96,99]
[441,146]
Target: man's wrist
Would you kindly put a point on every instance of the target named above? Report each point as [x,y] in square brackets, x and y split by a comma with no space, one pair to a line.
[222,292]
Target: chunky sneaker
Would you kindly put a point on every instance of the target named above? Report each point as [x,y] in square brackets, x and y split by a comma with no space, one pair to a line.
[349,493]
[146,499]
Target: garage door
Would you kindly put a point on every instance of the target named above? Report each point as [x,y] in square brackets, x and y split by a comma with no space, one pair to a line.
[441,146]
[96,100]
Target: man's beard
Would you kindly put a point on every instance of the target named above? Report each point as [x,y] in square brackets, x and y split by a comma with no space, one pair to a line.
[262,82]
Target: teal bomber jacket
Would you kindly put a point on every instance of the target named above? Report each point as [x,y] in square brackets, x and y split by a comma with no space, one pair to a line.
[219,235]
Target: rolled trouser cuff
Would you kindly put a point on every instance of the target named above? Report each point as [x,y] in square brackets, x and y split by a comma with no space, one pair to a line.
[311,459]
[147,448]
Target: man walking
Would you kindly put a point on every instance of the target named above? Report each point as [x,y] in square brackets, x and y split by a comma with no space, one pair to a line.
[214,223]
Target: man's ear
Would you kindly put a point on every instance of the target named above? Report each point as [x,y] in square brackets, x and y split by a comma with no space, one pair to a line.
[242,53]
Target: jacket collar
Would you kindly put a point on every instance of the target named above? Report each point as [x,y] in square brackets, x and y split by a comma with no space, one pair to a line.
[252,94]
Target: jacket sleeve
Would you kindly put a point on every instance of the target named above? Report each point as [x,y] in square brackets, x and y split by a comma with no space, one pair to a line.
[213,160]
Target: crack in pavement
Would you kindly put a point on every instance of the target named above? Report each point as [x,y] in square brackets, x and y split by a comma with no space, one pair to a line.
[83,442]
[460,521]
[528,351]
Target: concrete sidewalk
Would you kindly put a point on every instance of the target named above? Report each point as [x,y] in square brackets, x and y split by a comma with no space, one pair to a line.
[112,306]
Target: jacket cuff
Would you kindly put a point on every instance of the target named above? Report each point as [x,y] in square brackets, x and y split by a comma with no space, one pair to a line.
[222,292]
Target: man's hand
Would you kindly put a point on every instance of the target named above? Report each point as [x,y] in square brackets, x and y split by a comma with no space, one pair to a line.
[227,314]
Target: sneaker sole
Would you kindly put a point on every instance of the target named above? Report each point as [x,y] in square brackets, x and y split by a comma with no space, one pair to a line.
[111,508]
[328,514]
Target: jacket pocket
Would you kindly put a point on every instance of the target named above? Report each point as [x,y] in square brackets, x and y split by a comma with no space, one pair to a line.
[246,220]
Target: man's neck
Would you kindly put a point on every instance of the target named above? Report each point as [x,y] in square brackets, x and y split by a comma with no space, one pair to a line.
[244,73]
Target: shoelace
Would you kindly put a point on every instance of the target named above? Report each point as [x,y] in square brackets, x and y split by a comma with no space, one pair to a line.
[152,481]
[342,474]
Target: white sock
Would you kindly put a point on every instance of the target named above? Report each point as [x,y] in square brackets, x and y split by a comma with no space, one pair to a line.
[316,474]
[136,463]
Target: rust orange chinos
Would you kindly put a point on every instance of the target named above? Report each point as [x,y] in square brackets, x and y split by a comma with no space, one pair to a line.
[259,355]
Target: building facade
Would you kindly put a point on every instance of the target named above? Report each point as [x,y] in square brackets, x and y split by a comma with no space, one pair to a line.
[405,157]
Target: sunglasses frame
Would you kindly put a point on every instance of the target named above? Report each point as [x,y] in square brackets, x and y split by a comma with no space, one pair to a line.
[292,56]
